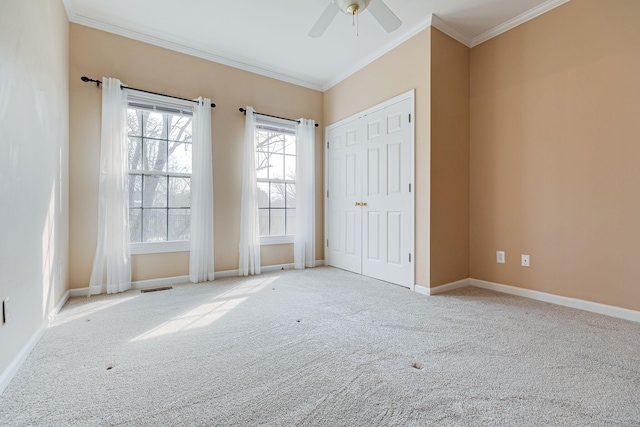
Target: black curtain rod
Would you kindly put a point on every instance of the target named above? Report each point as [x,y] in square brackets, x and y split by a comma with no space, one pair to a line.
[98,83]
[243,111]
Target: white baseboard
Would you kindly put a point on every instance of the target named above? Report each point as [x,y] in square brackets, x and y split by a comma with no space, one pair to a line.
[442,288]
[167,281]
[419,289]
[14,366]
[594,307]
[264,269]
[156,283]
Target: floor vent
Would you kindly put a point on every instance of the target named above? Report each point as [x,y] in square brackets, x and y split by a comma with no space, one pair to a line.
[163,288]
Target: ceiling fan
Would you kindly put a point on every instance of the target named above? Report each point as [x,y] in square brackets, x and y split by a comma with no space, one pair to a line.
[378,9]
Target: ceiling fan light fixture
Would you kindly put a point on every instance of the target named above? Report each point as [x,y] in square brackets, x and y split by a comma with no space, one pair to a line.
[352,7]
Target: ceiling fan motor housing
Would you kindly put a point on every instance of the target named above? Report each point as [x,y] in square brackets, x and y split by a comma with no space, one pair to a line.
[352,7]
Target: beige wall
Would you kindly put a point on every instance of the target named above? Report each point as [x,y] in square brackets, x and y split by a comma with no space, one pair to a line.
[34,119]
[96,54]
[449,159]
[555,170]
[402,69]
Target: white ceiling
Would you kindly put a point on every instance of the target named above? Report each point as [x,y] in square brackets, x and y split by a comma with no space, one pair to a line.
[269,37]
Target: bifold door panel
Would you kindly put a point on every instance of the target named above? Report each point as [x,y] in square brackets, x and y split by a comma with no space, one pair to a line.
[369,196]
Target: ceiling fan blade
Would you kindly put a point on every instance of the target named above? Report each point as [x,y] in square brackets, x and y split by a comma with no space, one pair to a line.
[323,22]
[384,15]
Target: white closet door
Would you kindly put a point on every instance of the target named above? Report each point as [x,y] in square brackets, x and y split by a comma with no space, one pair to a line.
[369,218]
[386,239]
[345,190]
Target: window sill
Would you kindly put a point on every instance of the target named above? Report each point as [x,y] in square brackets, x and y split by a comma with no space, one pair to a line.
[159,247]
[276,240]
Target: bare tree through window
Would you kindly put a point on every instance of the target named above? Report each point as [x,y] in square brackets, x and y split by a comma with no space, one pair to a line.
[276,173]
[160,147]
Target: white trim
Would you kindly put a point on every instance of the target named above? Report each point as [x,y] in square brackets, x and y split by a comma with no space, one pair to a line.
[423,290]
[178,280]
[438,23]
[450,286]
[78,292]
[276,240]
[177,46]
[518,20]
[418,28]
[408,94]
[68,7]
[263,269]
[159,247]
[594,307]
[156,283]
[419,289]
[21,357]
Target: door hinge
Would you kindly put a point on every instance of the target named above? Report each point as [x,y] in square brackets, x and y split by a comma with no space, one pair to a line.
[409,257]
[409,187]
[409,118]
[327,194]
[327,242]
[327,145]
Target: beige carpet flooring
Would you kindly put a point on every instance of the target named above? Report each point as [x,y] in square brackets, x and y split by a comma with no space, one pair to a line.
[328,348]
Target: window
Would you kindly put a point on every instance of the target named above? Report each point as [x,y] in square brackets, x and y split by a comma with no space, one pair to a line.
[159,144]
[276,177]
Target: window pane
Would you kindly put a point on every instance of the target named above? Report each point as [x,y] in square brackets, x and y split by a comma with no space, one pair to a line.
[154,222]
[276,142]
[155,191]
[135,225]
[134,118]
[262,140]
[180,157]
[135,153]
[180,128]
[290,167]
[276,171]
[291,195]
[277,222]
[179,224]
[290,145]
[155,155]
[135,191]
[154,124]
[263,217]
[277,195]
[262,160]
[291,221]
[179,192]
[263,195]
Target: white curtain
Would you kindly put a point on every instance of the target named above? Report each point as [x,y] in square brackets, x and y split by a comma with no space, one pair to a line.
[249,225]
[201,256]
[304,243]
[112,249]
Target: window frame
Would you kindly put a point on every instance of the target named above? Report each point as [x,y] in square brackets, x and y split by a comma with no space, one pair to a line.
[160,104]
[289,128]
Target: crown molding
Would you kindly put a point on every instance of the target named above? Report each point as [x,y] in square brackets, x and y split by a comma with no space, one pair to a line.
[518,20]
[438,23]
[68,7]
[431,21]
[419,27]
[177,47]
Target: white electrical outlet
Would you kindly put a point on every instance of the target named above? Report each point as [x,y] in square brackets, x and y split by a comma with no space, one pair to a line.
[5,311]
[500,257]
[525,261]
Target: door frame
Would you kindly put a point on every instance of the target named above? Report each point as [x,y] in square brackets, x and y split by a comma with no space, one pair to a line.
[409,95]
